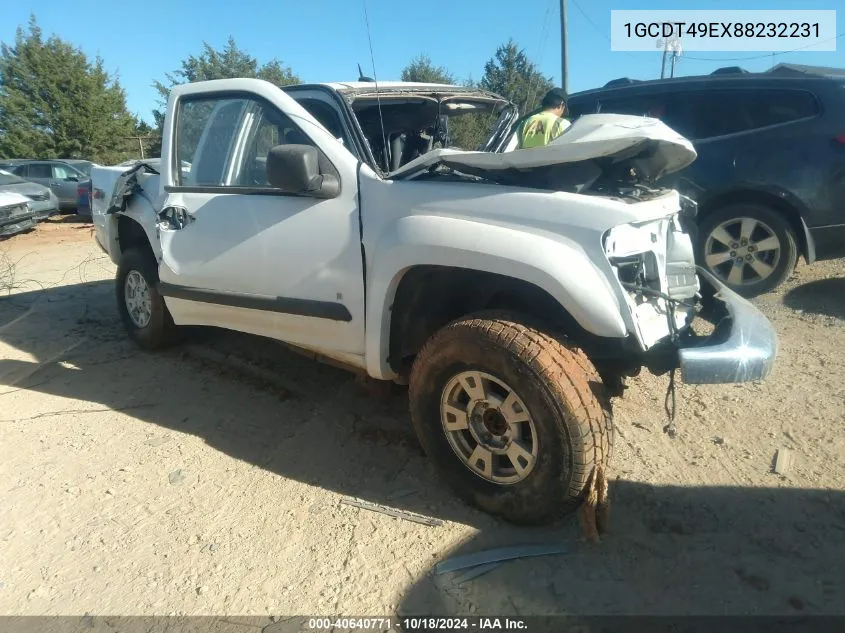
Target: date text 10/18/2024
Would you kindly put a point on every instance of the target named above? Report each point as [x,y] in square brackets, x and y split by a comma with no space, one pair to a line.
[417,624]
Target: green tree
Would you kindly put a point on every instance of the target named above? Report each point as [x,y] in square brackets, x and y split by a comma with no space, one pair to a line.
[422,70]
[228,63]
[55,103]
[142,128]
[511,74]
[145,141]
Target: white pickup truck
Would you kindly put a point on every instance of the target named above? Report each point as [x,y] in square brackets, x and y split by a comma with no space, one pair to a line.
[512,290]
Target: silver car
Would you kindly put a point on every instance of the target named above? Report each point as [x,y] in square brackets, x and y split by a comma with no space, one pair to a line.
[80,165]
[15,214]
[43,202]
[61,177]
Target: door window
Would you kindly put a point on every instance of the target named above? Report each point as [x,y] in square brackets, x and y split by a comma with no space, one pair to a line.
[224,142]
[704,114]
[61,172]
[772,107]
[39,170]
[672,109]
[575,110]
[328,116]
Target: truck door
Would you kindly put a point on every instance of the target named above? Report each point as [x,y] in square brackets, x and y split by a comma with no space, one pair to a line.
[240,254]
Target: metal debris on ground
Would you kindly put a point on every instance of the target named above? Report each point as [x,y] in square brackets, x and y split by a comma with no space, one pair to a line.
[670,403]
[497,555]
[783,461]
[406,492]
[475,572]
[393,512]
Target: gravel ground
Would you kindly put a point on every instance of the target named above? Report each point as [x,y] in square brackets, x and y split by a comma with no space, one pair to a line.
[135,483]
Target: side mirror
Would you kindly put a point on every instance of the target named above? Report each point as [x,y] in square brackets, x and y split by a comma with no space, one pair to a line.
[296,169]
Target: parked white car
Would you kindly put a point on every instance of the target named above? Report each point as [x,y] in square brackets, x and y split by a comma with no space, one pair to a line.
[16,215]
[42,201]
[511,290]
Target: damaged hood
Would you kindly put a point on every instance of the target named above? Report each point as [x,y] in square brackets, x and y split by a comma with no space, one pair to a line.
[646,146]
[449,94]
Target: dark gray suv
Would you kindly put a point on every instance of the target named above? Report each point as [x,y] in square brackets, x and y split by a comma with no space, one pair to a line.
[770,175]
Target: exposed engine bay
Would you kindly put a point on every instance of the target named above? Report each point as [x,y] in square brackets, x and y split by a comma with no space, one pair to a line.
[602,154]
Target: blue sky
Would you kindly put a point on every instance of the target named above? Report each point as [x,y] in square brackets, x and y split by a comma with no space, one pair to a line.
[324,40]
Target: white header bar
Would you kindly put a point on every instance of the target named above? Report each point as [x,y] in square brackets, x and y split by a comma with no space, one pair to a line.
[723,30]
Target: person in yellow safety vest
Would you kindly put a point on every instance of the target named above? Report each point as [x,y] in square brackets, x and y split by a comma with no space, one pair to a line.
[545,126]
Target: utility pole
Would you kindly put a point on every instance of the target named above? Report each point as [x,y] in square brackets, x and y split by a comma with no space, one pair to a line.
[663,64]
[141,140]
[564,45]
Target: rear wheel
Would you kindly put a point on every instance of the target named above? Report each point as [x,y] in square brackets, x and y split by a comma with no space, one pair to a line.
[141,306]
[750,248]
[515,419]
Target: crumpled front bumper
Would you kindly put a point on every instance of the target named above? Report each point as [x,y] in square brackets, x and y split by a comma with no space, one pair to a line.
[742,348]
[43,209]
[17,224]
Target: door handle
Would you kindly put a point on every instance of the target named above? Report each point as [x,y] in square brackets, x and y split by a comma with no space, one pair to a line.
[174,218]
[55,183]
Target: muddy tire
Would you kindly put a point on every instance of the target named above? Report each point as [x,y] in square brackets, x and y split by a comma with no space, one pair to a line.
[141,306]
[485,383]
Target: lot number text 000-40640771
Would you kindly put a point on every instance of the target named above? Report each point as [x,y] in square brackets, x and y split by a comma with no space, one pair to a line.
[710,30]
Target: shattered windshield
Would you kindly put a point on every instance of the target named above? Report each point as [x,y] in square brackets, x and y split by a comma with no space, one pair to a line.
[400,130]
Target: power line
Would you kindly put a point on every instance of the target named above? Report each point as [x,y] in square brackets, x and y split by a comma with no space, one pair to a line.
[599,30]
[541,48]
[587,17]
[740,59]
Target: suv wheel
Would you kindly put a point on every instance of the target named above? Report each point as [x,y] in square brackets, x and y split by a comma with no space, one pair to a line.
[515,420]
[750,248]
[141,307]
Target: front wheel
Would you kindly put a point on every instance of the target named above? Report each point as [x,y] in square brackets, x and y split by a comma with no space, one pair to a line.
[750,248]
[515,419]
[141,306]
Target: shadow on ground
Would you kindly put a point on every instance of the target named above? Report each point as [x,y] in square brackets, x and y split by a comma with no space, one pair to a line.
[825,297]
[70,218]
[325,429]
[672,549]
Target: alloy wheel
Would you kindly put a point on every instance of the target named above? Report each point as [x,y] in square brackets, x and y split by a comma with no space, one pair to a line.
[742,251]
[489,427]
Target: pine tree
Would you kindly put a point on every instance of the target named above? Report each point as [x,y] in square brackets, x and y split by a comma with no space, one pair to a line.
[511,74]
[55,103]
[228,63]
[422,70]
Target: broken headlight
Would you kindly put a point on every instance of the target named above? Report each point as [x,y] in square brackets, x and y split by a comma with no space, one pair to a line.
[638,272]
[15,210]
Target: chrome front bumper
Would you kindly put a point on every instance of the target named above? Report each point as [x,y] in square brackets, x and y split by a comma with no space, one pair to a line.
[741,349]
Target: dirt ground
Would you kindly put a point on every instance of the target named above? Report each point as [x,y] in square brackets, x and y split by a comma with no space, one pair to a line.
[135,483]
